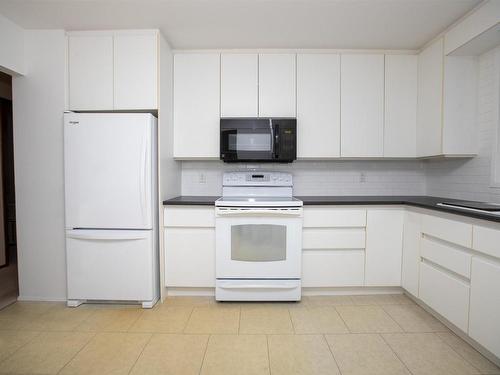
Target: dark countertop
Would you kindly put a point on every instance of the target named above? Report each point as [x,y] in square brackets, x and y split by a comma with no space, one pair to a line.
[415,201]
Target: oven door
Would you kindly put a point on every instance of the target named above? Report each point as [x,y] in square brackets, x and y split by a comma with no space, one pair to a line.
[258,243]
[246,140]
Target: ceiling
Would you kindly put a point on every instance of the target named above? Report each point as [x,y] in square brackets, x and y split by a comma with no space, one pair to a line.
[199,24]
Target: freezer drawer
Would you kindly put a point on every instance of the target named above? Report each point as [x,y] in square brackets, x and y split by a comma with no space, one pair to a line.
[110,265]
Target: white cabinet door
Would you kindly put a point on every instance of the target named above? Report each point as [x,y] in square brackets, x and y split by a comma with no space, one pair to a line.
[400,128]
[430,100]
[277,85]
[362,105]
[239,85]
[189,257]
[318,105]
[411,252]
[135,71]
[196,105]
[384,241]
[485,304]
[90,59]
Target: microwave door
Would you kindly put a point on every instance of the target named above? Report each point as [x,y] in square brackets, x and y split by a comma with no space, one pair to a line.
[247,141]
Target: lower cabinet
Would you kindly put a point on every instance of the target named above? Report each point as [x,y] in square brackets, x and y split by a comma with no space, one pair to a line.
[333,268]
[190,257]
[484,326]
[446,294]
[384,242]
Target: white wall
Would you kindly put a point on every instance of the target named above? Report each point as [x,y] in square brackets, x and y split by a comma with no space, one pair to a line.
[471,178]
[11,47]
[38,103]
[319,178]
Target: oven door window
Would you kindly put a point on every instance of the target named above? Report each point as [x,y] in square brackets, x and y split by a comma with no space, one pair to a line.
[258,243]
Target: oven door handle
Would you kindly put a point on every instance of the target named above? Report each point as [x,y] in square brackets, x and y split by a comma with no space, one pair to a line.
[259,286]
[259,212]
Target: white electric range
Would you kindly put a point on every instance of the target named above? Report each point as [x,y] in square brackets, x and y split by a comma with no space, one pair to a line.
[258,238]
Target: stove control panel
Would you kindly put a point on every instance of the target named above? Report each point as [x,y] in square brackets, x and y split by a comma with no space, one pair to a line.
[257,179]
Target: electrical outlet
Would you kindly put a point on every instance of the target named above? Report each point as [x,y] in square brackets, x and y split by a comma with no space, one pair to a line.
[362,177]
[202,178]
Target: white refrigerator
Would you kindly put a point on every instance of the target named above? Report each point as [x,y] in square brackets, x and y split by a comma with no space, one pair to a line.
[110,170]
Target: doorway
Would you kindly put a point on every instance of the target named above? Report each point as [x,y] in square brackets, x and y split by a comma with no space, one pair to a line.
[9,286]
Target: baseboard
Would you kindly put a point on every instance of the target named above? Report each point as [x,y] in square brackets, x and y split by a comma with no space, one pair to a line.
[202,292]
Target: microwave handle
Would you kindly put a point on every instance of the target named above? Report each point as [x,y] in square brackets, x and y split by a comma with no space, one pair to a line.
[272,136]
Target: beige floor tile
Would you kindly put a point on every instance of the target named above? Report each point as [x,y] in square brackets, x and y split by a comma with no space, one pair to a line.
[328,300]
[364,354]
[61,318]
[28,308]
[163,320]
[46,354]
[413,318]
[300,354]
[470,354]
[108,353]
[172,355]
[206,320]
[321,319]
[379,299]
[427,354]
[403,299]
[266,319]
[236,355]
[367,319]
[110,320]
[187,301]
[10,341]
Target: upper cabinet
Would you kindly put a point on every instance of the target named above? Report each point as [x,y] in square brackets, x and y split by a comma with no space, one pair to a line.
[90,59]
[113,70]
[277,86]
[446,112]
[362,105]
[196,105]
[400,122]
[239,85]
[318,105]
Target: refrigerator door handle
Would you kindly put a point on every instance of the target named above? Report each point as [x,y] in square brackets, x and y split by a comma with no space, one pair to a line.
[143,177]
[106,235]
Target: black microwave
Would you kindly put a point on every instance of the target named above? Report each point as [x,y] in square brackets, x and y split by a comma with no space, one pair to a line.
[258,140]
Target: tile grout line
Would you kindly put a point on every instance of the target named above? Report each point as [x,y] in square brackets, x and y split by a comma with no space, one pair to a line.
[268,355]
[135,321]
[291,320]
[331,352]
[78,352]
[394,320]
[204,354]
[396,354]
[340,315]
[142,350]
[188,319]
[239,320]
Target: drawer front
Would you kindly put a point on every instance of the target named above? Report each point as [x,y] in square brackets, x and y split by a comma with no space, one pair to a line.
[333,268]
[445,294]
[324,217]
[449,230]
[189,257]
[189,216]
[333,238]
[486,240]
[452,259]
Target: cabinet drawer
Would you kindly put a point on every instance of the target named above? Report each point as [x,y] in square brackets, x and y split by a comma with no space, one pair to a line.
[189,257]
[445,294]
[333,238]
[185,216]
[455,260]
[486,240]
[333,268]
[449,230]
[322,217]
